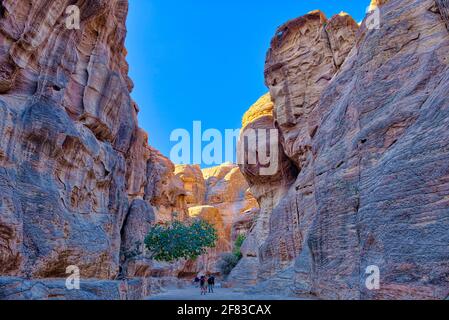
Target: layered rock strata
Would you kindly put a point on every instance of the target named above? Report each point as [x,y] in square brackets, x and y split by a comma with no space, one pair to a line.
[367,135]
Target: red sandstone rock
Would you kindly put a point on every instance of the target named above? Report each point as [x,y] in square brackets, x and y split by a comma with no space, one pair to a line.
[368,140]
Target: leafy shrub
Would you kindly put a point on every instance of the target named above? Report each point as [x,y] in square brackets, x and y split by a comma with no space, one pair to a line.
[238,246]
[228,261]
[177,240]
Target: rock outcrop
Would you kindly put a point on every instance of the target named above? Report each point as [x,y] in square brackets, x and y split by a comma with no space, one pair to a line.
[219,195]
[368,137]
[67,122]
[193,184]
[443,8]
[268,189]
[228,191]
[361,175]
[55,289]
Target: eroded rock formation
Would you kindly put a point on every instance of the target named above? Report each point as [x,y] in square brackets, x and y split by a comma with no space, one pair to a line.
[219,195]
[368,137]
[78,182]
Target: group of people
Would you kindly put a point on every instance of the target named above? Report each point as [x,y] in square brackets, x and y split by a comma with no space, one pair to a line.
[205,283]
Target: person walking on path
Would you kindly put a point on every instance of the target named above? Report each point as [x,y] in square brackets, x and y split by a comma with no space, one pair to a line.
[203,285]
[196,282]
[211,284]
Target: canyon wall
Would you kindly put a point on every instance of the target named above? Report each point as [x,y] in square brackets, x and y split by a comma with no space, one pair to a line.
[362,114]
[67,126]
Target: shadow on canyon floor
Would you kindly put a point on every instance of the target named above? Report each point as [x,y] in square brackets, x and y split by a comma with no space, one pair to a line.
[191,293]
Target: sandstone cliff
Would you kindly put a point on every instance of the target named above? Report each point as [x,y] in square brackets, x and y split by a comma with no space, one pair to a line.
[363,117]
[79,184]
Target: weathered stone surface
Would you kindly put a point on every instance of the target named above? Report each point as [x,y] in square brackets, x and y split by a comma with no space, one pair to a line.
[341,31]
[369,141]
[54,289]
[207,262]
[304,56]
[194,184]
[380,173]
[362,173]
[221,196]
[246,272]
[79,184]
[165,190]
[137,164]
[136,226]
[227,190]
[243,223]
[268,189]
[376,4]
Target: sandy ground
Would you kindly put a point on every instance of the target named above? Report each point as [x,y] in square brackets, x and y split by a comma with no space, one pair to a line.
[191,293]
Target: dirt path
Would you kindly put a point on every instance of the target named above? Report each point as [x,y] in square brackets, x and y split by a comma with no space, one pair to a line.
[191,293]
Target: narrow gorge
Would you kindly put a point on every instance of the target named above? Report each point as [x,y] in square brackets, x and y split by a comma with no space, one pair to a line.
[362,180]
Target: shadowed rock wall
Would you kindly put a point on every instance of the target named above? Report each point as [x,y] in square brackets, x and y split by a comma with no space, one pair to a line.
[78,181]
[368,137]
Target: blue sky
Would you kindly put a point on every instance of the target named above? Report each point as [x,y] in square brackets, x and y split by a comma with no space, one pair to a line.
[203,60]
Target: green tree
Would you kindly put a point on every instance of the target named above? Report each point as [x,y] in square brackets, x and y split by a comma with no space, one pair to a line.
[228,261]
[176,240]
[238,246]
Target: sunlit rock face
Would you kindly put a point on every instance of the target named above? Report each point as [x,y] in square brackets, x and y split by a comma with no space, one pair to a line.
[243,224]
[193,184]
[79,183]
[367,134]
[228,191]
[304,56]
[207,263]
[221,196]
[443,9]
[164,189]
